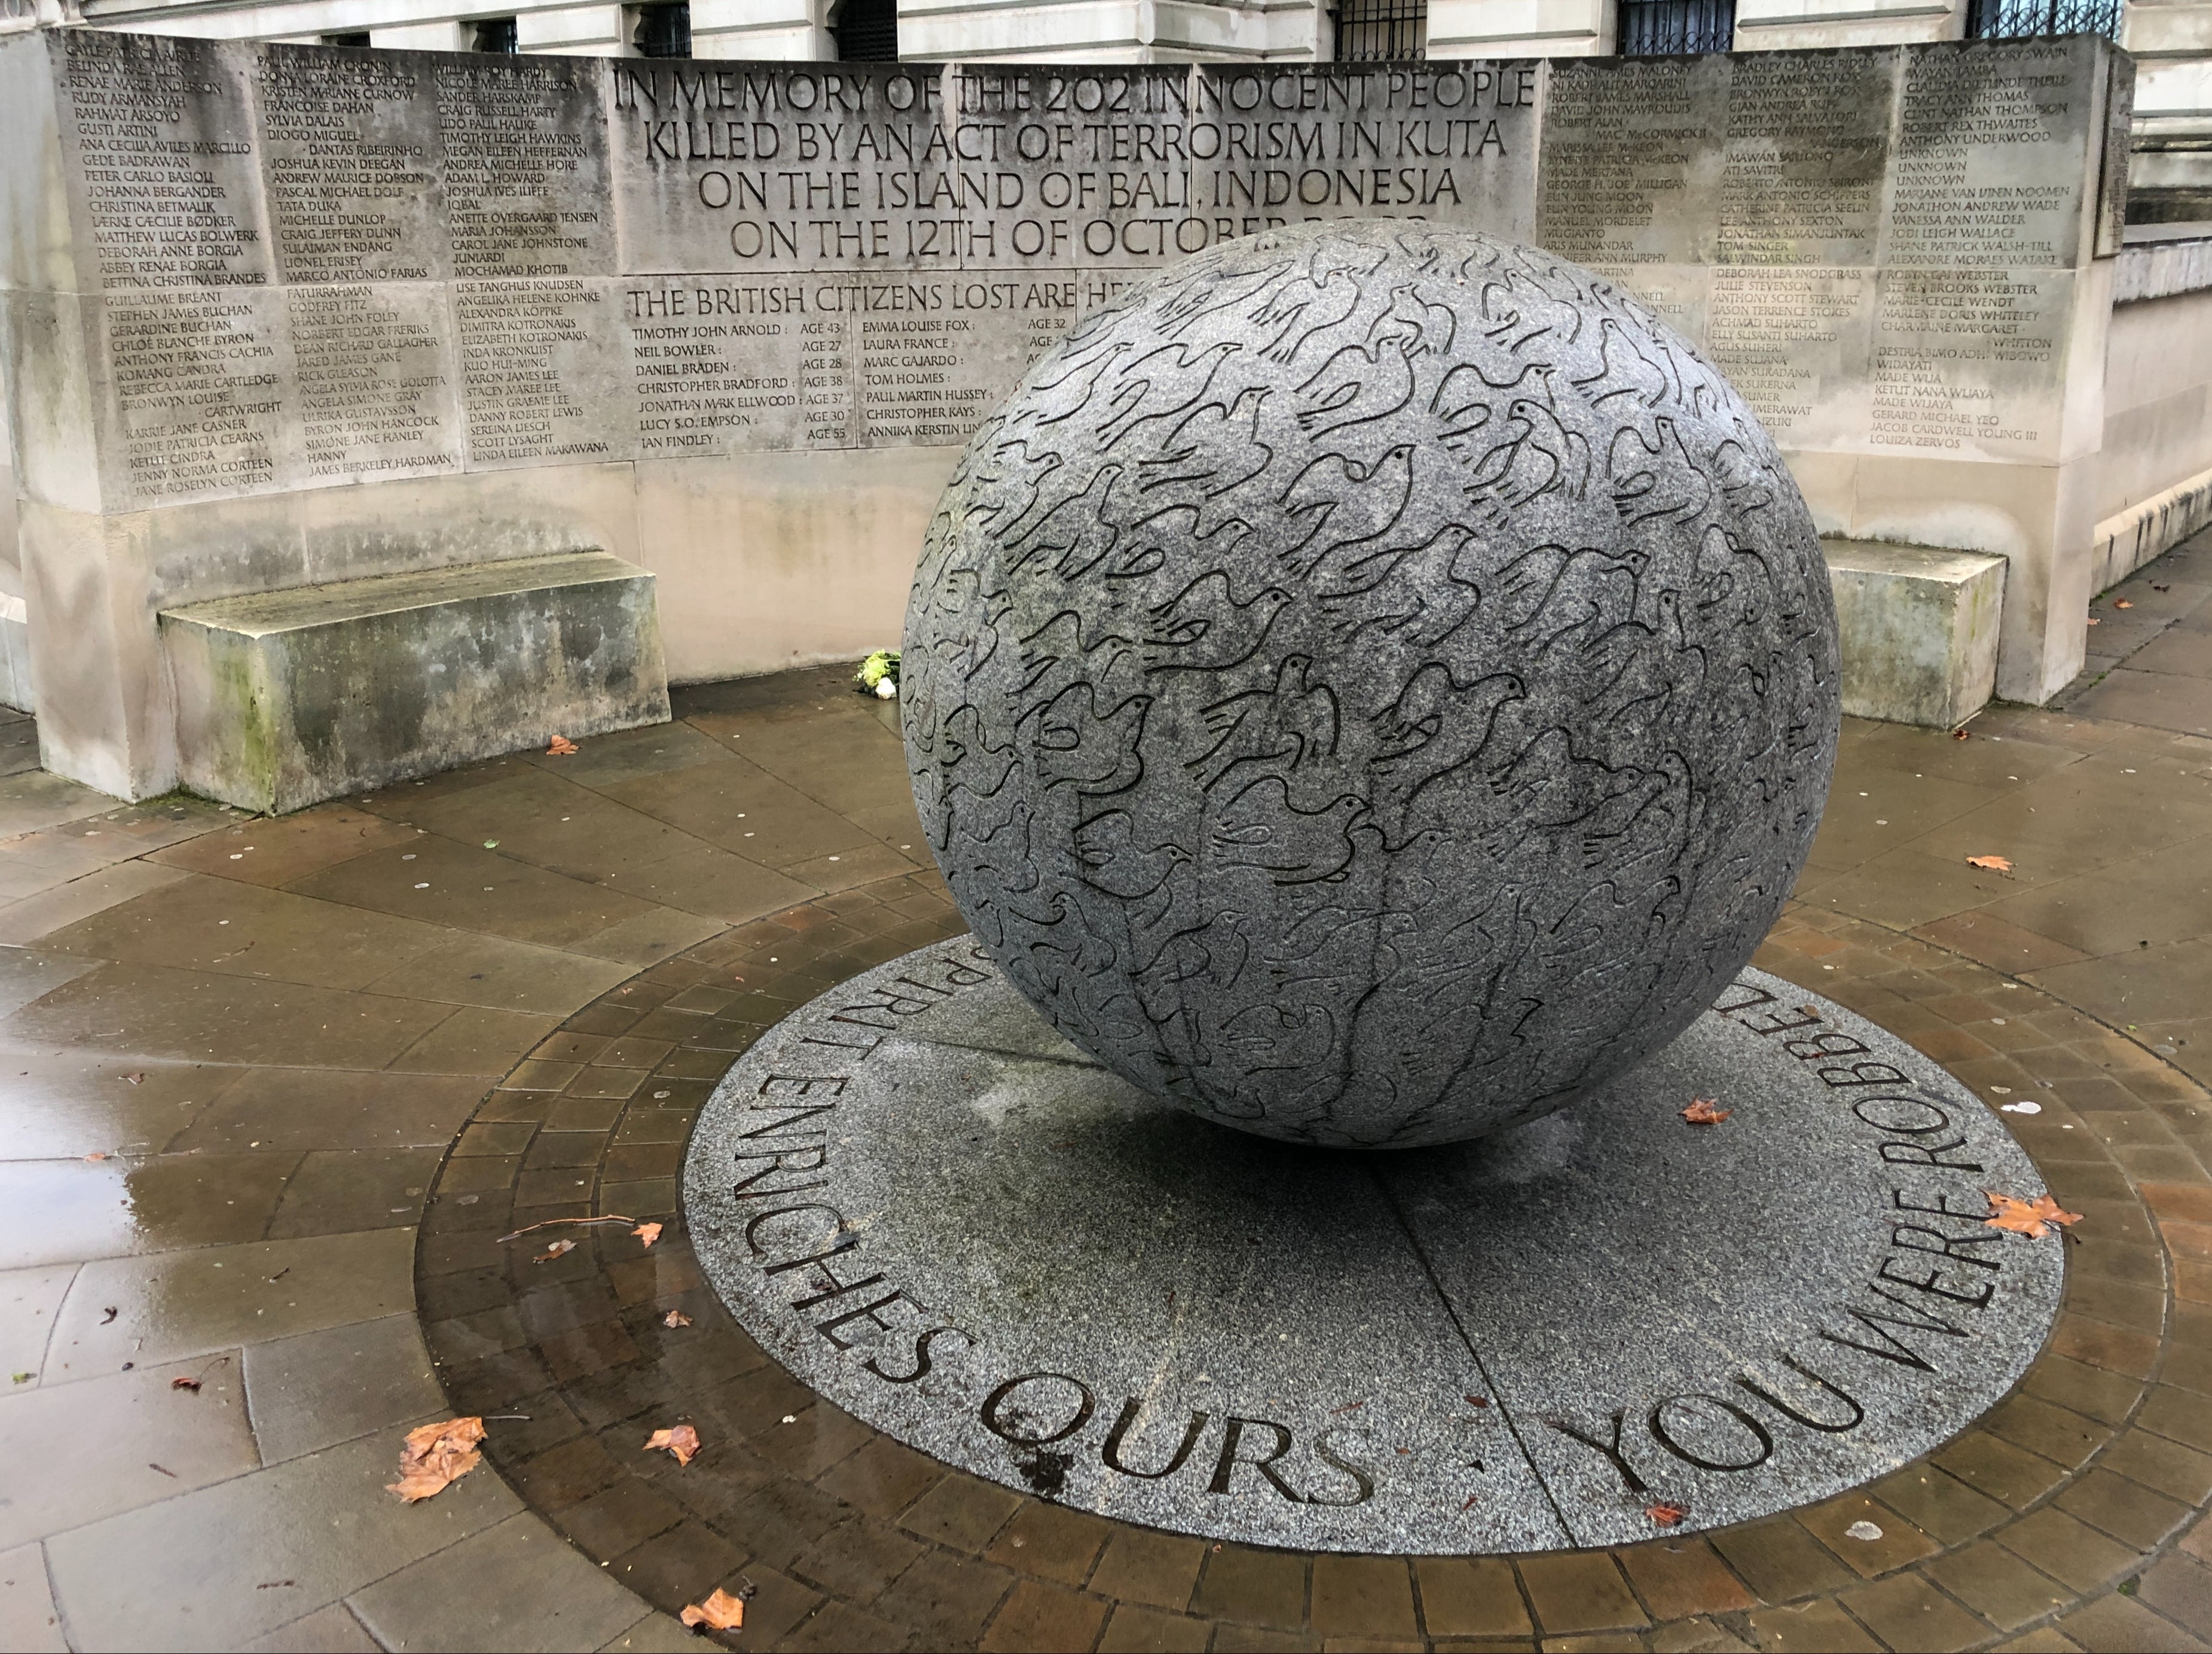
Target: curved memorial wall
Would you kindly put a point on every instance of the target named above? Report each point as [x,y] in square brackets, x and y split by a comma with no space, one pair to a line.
[279,316]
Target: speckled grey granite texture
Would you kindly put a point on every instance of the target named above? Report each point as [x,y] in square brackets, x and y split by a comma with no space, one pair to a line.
[941,1215]
[1371,683]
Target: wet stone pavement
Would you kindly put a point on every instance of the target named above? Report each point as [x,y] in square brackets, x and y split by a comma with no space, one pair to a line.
[274,1090]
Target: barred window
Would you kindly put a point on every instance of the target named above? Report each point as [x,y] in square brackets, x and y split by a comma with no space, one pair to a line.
[1667,28]
[1381,31]
[664,31]
[2028,20]
[867,32]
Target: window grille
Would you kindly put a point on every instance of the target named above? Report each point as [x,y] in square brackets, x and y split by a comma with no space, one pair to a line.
[867,32]
[2028,20]
[494,34]
[1667,28]
[1381,31]
[664,31]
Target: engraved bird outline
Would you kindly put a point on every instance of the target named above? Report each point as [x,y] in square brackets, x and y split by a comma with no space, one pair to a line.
[1310,304]
[1338,493]
[1158,386]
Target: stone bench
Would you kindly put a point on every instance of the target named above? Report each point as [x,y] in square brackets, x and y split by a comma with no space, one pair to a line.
[1919,627]
[285,698]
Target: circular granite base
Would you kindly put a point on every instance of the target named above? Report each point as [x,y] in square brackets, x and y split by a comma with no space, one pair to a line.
[944,1217]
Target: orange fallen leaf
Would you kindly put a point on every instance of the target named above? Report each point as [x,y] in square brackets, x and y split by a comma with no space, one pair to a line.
[2123,604]
[102,1156]
[1959,735]
[647,1233]
[1705,1111]
[554,1251]
[1666,1512]
[1993,863]
[2094,621]
[435,1456]
[681,1442]
[184,1384]
[676,1318]
[2034,1218]
[561,747]
[720,1612]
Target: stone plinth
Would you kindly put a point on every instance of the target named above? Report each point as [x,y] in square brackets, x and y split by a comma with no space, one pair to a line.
[926,1204]
[285,698]
[1919,630]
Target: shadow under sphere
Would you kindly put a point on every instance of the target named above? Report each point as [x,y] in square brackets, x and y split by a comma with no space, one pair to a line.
[1371,683]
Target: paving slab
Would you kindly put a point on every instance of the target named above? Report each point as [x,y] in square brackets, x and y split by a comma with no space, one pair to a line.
[515,1586]
[319,1389]
[133,1440]
[309,1531]
[181,1303]
[29,1622]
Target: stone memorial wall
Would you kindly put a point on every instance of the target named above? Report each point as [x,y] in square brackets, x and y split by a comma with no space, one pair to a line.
[734,320]
[314,267]
[1883,250]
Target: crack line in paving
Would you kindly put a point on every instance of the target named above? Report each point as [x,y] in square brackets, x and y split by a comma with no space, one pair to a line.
[1490,1386]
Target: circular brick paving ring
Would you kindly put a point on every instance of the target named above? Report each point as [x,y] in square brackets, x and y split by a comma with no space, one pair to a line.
[936,1213]
[2076,1482]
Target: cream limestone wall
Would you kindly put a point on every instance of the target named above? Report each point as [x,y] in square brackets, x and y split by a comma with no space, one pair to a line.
[1518,28]
[1111,31]
[2154,486]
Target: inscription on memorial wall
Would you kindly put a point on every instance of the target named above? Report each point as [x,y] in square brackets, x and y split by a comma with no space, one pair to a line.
[1878,248]
[478,261]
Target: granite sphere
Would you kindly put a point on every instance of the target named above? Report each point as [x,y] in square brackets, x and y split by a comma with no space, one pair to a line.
[1371,683]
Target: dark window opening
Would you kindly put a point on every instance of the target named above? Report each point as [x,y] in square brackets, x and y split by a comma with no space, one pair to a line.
[358,38]
[1381,31]
[2031,20]
[1668,29]
[867,32]
[664,31]
[494,34]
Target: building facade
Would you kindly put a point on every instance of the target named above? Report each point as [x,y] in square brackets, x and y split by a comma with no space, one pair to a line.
[2171,39]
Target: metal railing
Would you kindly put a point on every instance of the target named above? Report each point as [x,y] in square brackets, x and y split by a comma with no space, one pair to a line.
[1667,28]
[1381,31]
[664,30]
[867,32]
[2030,20]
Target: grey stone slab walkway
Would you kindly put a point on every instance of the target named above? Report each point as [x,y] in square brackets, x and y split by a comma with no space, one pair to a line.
[240,1053]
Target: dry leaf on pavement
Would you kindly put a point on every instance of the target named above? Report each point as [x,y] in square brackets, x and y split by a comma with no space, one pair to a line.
[436,1455]
[683,1442]
[554,1251]
[1667,1513]
[720,1612]
[647,1233]
[1705,1111]
[1958,734]
[185,1383]
[1993,863]
[2123,604]
[561,747]
[676,1318]
[2034,1218]
[96,1156]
